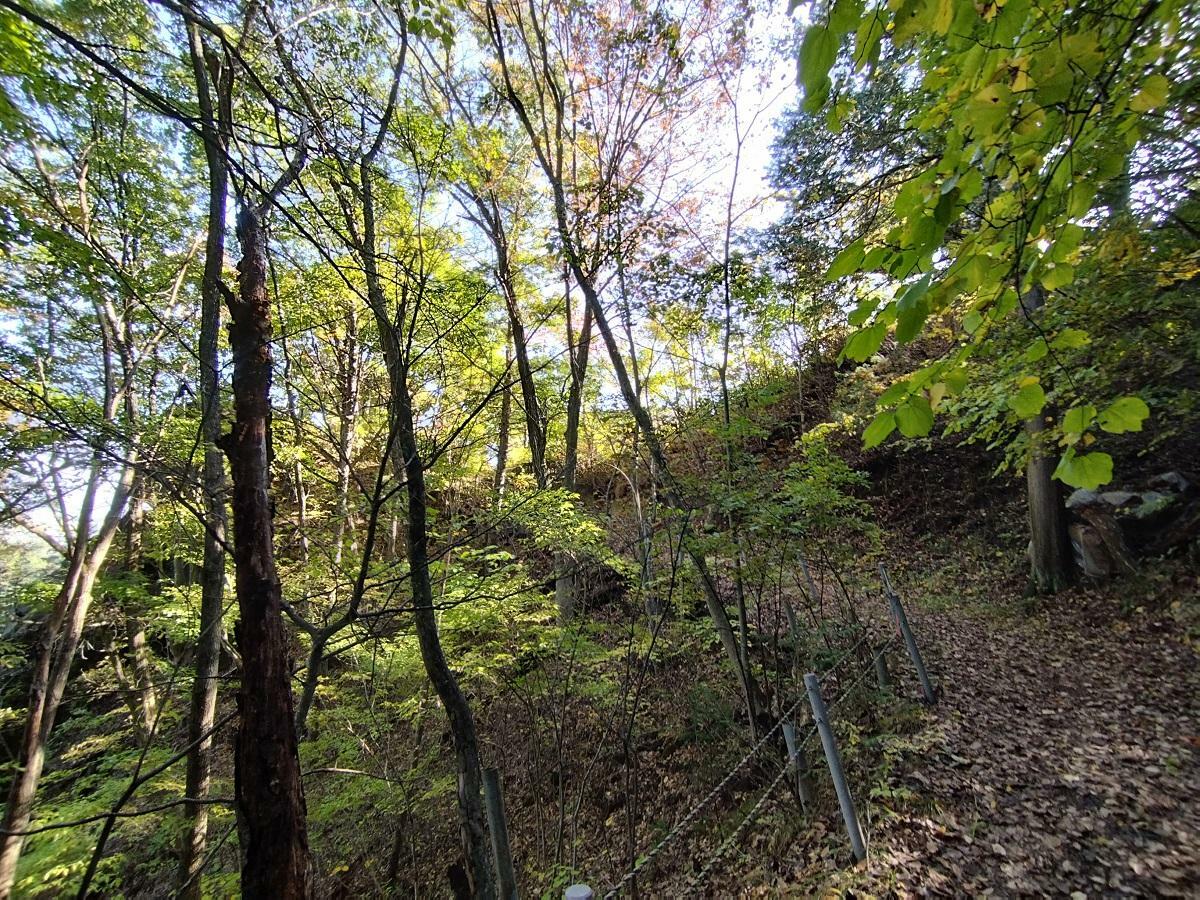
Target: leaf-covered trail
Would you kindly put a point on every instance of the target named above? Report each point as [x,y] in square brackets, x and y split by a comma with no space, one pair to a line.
[1063,759]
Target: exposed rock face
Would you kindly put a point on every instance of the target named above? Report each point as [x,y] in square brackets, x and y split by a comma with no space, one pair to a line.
[1110,530]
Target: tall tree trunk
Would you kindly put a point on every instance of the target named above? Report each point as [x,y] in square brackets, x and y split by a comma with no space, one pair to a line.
[716,608]
[203,709]
[1052,564]
[548,148]
[269,792]
[491,218]
[140,694]
[578,349]
[143,677]
[462,724]
[347,422]
[411,469]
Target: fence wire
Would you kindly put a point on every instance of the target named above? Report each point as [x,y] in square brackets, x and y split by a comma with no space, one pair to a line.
[683,824]
[739,832]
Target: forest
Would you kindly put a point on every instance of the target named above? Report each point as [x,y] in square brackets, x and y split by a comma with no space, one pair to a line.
[496,448]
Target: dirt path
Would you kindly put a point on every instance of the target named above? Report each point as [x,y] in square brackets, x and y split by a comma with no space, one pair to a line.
[1063,759]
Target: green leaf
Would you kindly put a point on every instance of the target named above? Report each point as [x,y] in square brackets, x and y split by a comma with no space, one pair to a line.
[1088,471]
[817,53]
[1153,94]
[1124,414]
[1080,197]
[912,310]
[1077,419]
[956,381]
[911,18]
[1037,350]
[867,40]
[862,312]
[1028,401]
[864,343]
[846,262]
[883,425]
[943,16]
[1071,339]
[915,417]
[898,390]
[1058,276]
[845,15]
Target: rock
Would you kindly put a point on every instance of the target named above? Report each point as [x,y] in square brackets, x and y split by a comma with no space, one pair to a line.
[1172,482]
[1117,499]
[1081,498]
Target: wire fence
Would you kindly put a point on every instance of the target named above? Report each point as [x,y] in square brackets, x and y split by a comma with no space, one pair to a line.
[789,766]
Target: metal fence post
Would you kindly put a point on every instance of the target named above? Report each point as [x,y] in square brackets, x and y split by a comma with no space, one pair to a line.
[845,801]
[799,759]
[505,876]
[909,639]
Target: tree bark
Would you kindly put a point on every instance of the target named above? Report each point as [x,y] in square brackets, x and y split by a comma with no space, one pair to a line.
[270,795]
[203,710]
[1052,564]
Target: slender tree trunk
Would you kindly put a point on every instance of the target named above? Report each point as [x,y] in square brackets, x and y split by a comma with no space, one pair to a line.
[411,468]
[143,675]
[549,153]
[53,655]
[270,795]
[203,709]
[347,422]
[492,220]
[578,350]
[534,427]
[1052,564]
[716,608]
[462,723]
[500,481]
[312,677]
[141,696]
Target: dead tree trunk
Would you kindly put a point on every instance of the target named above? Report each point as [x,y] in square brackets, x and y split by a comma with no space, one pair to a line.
[269,792]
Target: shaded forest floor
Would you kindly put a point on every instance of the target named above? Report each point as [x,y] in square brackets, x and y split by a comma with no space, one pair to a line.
[1063,759]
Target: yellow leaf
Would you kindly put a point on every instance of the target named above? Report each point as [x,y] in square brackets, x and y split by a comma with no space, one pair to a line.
[944,16]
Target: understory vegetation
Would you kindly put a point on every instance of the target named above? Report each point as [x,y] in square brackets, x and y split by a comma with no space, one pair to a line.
[406,400]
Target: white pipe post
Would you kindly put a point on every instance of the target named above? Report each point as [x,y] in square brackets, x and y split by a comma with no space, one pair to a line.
[845,801]
[909,639]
